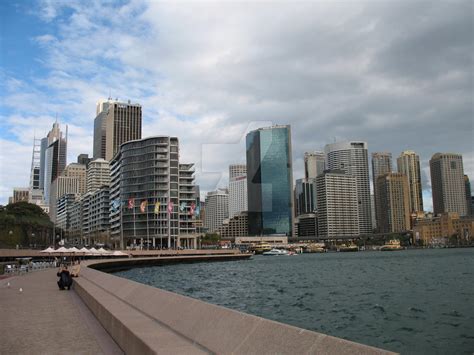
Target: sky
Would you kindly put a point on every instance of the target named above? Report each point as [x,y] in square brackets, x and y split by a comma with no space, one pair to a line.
[396,74]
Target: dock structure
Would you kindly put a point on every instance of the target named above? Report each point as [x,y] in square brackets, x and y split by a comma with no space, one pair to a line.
[107,314]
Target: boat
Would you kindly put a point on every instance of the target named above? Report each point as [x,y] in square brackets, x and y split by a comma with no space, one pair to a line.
[276,252]
[392,245]
[261,248]
[348,248]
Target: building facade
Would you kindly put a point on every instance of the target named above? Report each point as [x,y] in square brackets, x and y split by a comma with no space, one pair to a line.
[381,164]
[217,204]
[351,157]
[305,196]
[314,164]
[236,170]
[447,183]
[21,194]
[408,163]
[115,123]
[392,204]
[438,230]
[270,181]
[234,227]
[237,195]
[98,174]
[338,214]
[467,187]
[54,158]
[307,226]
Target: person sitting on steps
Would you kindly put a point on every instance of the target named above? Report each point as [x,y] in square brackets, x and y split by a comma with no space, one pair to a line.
[65,279]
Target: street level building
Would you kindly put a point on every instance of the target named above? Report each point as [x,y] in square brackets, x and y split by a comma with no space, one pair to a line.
[234,227]
[392,204]
[437,230]
[338,214]
[307,226]
[351,157]
[270,181]
[408,163]
[447,183]
[116,123]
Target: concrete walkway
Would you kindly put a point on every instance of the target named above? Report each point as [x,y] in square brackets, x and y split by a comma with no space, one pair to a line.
[44,320]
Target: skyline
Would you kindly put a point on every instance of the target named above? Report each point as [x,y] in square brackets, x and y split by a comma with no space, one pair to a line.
[209,74]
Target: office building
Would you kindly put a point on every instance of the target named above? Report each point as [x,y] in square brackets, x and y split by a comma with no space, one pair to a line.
[381,164]
[62,185]
[338,214]
[55,158]
[64,206]
[236,170]
[270,181]
[307,226]
[305,196]
[98,174]
[447,183]
[351,157]
[217,204]
[79,171]
[149,194]
[392,204]
[35,165]
[98,215]
[437,230]
[21,194]
[115,123]
[408,163]
[237,195]
[234,227]
[467,187]
[314,164]
[83,159]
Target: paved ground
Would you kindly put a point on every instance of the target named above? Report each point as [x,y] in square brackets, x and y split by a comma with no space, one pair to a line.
[44,320]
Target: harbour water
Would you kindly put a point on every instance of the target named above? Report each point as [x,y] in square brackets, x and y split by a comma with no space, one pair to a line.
[412,301]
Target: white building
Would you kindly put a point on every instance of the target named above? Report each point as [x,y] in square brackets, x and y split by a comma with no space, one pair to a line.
[237,195]
[217,203]
[314,164]
[98,174]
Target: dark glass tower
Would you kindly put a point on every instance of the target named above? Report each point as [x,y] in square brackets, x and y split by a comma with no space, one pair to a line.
[269,181]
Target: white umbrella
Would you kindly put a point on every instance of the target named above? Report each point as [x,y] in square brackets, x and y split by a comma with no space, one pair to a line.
[103,251]
[73,250]
[84,250]
[94,251]
[61,250]
[119,253]
[47,250]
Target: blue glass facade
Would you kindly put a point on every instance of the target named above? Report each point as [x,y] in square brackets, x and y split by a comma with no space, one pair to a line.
[269,181]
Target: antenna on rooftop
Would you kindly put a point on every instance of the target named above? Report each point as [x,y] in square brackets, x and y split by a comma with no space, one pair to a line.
[110,95]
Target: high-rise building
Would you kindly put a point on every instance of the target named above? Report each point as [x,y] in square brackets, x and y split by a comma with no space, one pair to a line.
[237,195]
[408,163]
[43,147]
[314,164]
[217,203]
[381,164]
[79,171]
[115,123]
[54,158]
[35,165]
[392,204]
[149,193]
[236,170]
[62,185]
[467,185]
[351,157]
[270,181]
[21,194]
[338,214]
[447,183]
[98,174]
[305,196]
[83,159]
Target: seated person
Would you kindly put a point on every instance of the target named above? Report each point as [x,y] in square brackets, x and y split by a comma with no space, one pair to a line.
[65,279]
[75,270]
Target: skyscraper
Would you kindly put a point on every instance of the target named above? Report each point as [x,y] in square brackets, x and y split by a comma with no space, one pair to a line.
[467,185]
[408,163]
[54,158]
[98,174]
[381,164]
[305,196]
[217,203]
[115,123]
[314,164]
[237,195]
[236,170]
[338,214]
[392,204]
[351,157]
[270,181]
[447,183]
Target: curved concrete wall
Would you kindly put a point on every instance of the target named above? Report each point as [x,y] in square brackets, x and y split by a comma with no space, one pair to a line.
[146,320]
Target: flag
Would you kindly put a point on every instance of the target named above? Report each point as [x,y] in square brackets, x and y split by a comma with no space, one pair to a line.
[191,209]
[157,208]
[182,207]
[143,206]
[170,206]
[131,203]
[115,204]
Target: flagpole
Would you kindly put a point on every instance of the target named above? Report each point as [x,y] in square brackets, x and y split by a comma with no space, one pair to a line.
[147,231]
[121,227]
[134,224]
[169,221]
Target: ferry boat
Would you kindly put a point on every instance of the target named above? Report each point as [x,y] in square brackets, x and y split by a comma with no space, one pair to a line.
[276,252]
[348,248]
[392,245]
[261,248]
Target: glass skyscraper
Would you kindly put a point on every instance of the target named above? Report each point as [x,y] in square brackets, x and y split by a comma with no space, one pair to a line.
[269,181]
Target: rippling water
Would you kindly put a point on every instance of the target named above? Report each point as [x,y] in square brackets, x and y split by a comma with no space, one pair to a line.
[414,301]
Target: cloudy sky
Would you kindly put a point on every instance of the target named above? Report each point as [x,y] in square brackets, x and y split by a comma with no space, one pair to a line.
[397,74]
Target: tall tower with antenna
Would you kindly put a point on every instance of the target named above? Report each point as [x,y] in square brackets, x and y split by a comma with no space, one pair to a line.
[36,192]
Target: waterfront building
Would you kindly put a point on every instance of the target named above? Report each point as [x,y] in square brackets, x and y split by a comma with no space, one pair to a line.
[307,226]
[236,170]
[237,195]
[408,163]
[351,157]
[149,192]
[338,214]
[372,211]
[381,164]
[116,123]
[447,183]
[438,229]
[234,227]
[21,194]
[467,187]
[98,216]
[98,174]
[314,164]
[305,196]
[392,203]
[217,203]
[270,181]
[55,158]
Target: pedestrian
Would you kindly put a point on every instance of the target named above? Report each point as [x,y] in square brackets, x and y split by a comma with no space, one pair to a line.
[65,279]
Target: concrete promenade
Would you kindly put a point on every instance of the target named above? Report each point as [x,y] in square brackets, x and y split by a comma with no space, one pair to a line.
[44,320]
